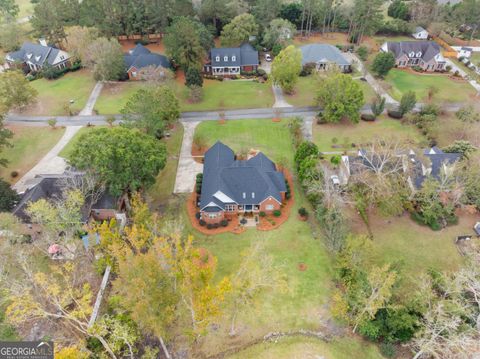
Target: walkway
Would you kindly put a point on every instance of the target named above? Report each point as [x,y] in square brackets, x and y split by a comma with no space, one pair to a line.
[187,167]
[279,97]
[464,75]
[51,163]
[88,109]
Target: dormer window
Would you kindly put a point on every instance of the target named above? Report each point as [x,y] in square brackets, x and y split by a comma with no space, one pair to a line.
[244,195]
[412,54]
[37,58]
[419,54]
[29,56]
[217,58]
[225,58]
[253,194]
[234,58]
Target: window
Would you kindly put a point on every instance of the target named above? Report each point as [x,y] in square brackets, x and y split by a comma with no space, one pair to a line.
[62,57]
[229,207]
[134,74]
[225,58]
[419,54]
[217,58]
[212,215]
[269,207]
[234,58]
[412,54]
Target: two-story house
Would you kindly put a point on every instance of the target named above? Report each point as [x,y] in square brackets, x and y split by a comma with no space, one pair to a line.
[424,54]
[34,57]
[227,62]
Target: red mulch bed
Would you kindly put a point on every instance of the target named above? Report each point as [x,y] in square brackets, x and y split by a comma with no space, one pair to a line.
[198,152]
[302,267]
[233,225]
[270,221]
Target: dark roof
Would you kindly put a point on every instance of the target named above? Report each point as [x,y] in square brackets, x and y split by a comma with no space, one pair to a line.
[35,53]
[437,159]
[419,29]
[140,57]
[52,187]
[244,55]
[428,49]
[227,180]
[314,53]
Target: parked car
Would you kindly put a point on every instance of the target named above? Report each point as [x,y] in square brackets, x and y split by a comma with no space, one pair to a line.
[268,57]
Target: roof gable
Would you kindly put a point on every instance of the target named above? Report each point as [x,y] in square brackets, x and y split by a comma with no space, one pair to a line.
[314,53]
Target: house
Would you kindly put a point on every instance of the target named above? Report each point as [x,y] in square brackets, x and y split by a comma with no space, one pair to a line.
[34,57]
[232,61]
[231,186]
[431,163]
[139,58]
[420,33]
[52,187]
[324,56]
[465,52]
[424,54]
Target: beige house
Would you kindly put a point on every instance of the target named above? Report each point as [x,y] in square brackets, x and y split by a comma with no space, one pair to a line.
[425,54]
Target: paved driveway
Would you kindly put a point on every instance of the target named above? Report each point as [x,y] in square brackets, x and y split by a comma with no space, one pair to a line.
[187,167]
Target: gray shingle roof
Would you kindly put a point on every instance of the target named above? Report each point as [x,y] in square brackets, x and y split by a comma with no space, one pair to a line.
[244,55]
[34,53]
[437,159]
[140,57]
[314,53]
[419,29]
[429,49]
[227,180]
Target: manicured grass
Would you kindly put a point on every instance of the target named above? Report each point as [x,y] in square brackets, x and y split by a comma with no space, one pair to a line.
[306,91]
[273,138]
[26,8]
[287,348]
[449,90]
[53,95]
[475,59]
[114,96]
[362,133]
[230,94]
[160,193]
[30,144]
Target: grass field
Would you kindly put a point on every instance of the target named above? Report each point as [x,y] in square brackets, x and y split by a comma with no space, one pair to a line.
[114,96]
[306,89]
[362,133]
[30,144]
[448,90]
[25,7]
[475,59]
[271,137]
[54,95]
[231,94]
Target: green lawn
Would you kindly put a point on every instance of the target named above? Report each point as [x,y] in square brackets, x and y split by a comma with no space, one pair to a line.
[30,144]
[273,138]
[54,95]
[306,89]
[475,59]
[114,96]
[347,133]
[26,8]
[230,94]
[448,90]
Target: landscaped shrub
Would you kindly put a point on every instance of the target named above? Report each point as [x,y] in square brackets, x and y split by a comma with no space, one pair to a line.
[302,211]
[216,225]
[14,174]
[362,52]
[224,222]
[262,214]
[202,222]
[209,226]
[277,213]
[198,188]
[308,69]
[396,114]
[199,178]
[388,350]
[417,68]
[243,221]
[197,215]
[367,117]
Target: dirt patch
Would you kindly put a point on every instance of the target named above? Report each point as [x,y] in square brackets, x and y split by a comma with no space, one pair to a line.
[198,153]
[156,46]
[270,222]
[302,267]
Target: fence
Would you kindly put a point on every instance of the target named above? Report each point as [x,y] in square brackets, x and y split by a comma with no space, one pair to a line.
[140,37]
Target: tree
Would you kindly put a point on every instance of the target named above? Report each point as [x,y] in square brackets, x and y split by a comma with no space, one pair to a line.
[187,41]
[398,9]
[105,58]
[239,30]
[266,10]
[340,97]
[279,32]
[5,135]
[286,68]
[10,36]
[407,102]
[152,109]
[78,40]
[49,20]
[365,18]
[468,115]
[378,105]
[122,158]
[72,352]
[218,11]
[8,8]
[156,75]
[292,12]
[305,150]
[193,77]
[463,147]
[15,91]
[383,63]
[8,197]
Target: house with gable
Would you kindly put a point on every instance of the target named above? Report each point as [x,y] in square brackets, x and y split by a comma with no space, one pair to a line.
[34,57]
[420,33]
[227,62]
[426,55]
[324,56]
[139,58]
[231,187]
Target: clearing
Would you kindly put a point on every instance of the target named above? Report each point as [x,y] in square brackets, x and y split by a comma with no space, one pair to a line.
[115,95]
[339,137]
[449,90]
[54,96]
[30,144]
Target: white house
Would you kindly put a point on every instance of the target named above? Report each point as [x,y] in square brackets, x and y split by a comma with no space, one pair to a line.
[465,52]
[420,33]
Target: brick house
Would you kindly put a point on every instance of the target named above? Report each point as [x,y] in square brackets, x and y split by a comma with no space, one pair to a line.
[34,57]
[231,186]
[424,54]
[139,58]
[232,61]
